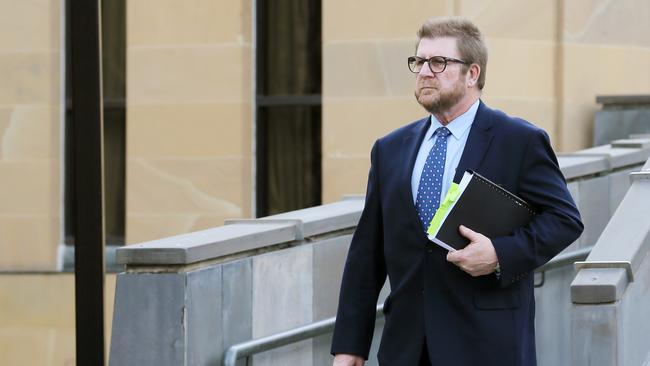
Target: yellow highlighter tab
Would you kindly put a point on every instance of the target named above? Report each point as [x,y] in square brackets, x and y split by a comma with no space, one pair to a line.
[452,195]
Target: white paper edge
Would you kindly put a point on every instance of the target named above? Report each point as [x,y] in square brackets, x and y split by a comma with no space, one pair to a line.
[467,177]
[441,243]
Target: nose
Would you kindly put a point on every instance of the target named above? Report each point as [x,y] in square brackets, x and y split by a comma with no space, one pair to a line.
[426,71]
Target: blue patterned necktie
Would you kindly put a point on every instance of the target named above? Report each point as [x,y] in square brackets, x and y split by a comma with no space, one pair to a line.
[430,188]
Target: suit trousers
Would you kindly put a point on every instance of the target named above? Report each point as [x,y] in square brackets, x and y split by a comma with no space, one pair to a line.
[424,358]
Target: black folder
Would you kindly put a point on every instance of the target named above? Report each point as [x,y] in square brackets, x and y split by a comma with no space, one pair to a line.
[484,207]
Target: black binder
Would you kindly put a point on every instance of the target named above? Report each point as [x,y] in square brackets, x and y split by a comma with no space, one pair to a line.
[484,207]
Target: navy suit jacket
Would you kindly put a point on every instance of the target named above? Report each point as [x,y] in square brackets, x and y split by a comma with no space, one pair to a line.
[465,320]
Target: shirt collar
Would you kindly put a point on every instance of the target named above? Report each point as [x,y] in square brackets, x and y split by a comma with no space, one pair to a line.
[457,126]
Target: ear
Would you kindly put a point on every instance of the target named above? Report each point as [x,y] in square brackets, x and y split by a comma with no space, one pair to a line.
[473,73]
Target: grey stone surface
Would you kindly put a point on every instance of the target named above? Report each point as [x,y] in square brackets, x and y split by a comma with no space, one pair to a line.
[594,207]
[632,143]
[376,340]
[109,258]
[594,330]
[326,218]
[237,303]
[598,285]
[322,345]
[618,124]
[619,183]
[148,320]
[553,317]
[204,317]
[612,327]
[618,157]
[212,308]
[329,260]
[207,244]
[575,166]
[283,299]
[574,190]
[640,176]
[636,323]
[299,353]
[640,136]
[627,236]
[623,101]
[297,224]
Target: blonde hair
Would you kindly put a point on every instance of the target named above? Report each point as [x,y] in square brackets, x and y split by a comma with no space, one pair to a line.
[469,40]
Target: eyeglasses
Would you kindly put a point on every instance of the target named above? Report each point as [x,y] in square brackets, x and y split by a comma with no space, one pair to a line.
[437,64]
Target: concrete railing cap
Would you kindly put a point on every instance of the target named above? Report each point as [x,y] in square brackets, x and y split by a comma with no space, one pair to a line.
[243,235]
[635,99]
[207,244]
[575,166]
[624,242]
[325,218]
[604,158]
[636,143]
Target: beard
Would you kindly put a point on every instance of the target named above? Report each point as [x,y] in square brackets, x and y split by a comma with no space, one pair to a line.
[437,101]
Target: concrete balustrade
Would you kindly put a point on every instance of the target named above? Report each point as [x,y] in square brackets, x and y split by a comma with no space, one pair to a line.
[184,300]
[611,292]
[598,179]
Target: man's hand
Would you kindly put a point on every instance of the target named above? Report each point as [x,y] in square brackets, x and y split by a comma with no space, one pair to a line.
[342,359]
[478,258]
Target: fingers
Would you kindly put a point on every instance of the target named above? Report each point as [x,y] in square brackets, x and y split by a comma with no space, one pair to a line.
[478,257]
[347,360]
[469,233]
[455,256]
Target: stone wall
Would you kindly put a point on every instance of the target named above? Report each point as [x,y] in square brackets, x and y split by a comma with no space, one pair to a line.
[253,278]
[189,72]
[30,134]
[547,62]
[610,293]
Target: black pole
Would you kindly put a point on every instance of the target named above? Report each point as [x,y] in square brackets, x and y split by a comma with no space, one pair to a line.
[86,85]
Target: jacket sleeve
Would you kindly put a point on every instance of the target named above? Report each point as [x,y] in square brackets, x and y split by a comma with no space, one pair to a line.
[557,223]
[363,276]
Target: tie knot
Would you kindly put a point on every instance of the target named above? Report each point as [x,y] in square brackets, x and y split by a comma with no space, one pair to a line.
[443,132]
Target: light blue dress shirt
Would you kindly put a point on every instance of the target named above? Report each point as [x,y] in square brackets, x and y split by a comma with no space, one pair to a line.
[459,129]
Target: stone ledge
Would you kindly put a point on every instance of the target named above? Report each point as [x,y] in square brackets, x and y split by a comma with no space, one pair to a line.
[628,226]
[243,235]
[207,244]
[616,100]
[326,218]
[575,166]
[598,285]
[624,153]
[636,143]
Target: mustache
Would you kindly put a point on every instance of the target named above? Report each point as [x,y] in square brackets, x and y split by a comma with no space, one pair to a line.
[427,84]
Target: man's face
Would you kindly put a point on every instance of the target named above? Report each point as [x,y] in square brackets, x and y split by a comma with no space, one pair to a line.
[438,93]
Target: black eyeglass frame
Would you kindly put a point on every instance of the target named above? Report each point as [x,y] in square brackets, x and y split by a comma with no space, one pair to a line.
[446,60]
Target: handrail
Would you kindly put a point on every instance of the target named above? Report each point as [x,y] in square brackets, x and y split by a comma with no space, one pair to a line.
[249,348]
[562,260]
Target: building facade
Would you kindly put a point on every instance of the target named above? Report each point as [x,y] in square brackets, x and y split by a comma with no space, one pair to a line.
[193,95]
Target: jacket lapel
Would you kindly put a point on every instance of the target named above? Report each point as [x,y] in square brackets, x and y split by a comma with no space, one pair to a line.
[478,142]
[410,147]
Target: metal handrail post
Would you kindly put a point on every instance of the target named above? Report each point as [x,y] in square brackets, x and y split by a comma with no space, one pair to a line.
[259,345]
[562,260]
[246,349]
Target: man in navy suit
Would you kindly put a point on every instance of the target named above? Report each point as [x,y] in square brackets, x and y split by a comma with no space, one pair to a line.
[473,306]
